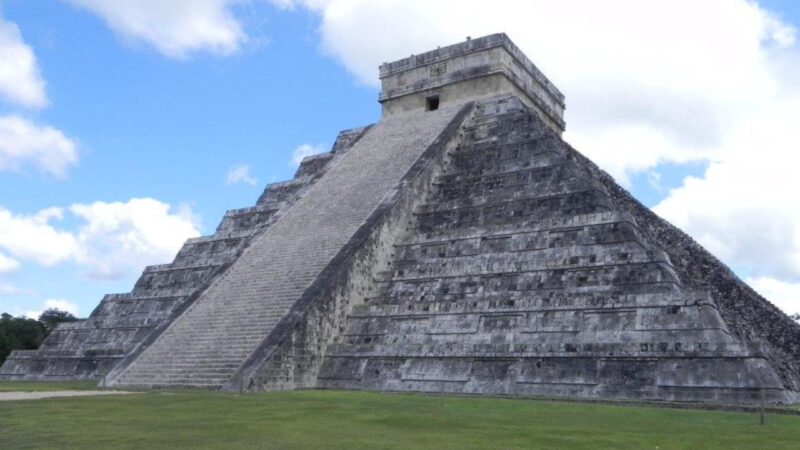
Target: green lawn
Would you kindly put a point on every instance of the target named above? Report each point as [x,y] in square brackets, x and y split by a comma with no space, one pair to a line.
[339,419]
[28,386]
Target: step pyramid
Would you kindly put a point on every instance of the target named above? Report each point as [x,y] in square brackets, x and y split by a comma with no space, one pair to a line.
[458,245]
[205,346]
[90,348]
[522,276]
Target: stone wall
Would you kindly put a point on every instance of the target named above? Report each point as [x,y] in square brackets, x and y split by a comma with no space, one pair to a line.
[749,316]
[521,275]
[477,68]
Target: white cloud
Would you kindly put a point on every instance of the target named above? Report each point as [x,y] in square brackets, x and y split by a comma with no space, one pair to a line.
[305,150]
[23,143]
[20,81]
[53,303]
[7,288]
[113,240]
[284,4]
[120,238]
[665,81]
[744,207]
[32,238]
[7,264]
[176,28]
[240,174]
[62,305]
[785,295]
[10,289]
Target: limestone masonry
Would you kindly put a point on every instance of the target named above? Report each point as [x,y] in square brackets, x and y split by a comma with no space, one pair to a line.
[457,245]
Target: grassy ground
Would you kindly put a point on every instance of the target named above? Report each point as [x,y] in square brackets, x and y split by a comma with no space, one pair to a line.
[30,386]
[338,419]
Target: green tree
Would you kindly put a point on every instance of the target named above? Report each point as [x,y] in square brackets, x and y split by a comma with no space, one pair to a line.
[19,333]
[796,316]
[52,317]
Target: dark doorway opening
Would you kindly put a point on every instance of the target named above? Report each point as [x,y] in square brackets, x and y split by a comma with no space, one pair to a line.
[432,103]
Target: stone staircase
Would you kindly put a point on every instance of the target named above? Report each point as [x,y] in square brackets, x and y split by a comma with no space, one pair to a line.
[206,345]
[91,348]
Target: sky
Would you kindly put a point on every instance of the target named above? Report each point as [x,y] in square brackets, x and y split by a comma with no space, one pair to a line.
[128,126]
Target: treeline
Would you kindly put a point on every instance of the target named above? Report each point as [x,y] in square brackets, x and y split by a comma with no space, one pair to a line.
[21,333]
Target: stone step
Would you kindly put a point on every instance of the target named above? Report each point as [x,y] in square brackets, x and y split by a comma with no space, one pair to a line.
[217,354]
[243,305]
[196,360]
[180,349]
[209,377]
[662,348]
[190,370]
[180,381]
[511,195]
[228,334]
[215,364]
[254,315]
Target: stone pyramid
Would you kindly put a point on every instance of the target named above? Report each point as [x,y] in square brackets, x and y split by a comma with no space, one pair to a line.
[457,245]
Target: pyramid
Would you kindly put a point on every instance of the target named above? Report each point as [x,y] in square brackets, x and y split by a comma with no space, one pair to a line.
[458,245]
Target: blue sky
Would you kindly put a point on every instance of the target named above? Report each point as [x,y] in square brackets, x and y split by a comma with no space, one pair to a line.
[122,130]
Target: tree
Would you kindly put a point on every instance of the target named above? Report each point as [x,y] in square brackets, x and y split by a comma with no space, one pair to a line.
[796,316]
[52,317]
[19,333]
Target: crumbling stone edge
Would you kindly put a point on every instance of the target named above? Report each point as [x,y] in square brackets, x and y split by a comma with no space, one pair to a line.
[748,315]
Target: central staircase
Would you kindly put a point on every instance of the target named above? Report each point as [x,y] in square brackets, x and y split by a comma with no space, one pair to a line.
[207,344]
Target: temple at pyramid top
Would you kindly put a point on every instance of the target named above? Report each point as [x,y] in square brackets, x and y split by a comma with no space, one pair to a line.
[467,71]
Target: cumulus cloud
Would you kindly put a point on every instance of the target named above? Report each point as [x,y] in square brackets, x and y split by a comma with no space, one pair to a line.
[118,238]
[638,91]
[7,264]
[113,240]
[7,288]
[53,303]
[175,28]
[33,238]
[240,174]
[305,150]
[20,81]
[785,295]
[674,81]
[24,143]
[744,207]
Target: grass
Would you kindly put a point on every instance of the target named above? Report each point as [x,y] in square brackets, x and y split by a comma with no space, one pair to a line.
[30,386]
[347,420]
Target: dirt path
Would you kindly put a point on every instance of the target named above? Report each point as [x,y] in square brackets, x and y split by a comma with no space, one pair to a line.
[8,396]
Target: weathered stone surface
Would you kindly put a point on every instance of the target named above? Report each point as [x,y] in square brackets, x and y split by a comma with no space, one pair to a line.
[478,68]
[522,275]
[458,245]
[205,346]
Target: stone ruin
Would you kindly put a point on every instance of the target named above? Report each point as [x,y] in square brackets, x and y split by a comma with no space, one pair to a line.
[457,245]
